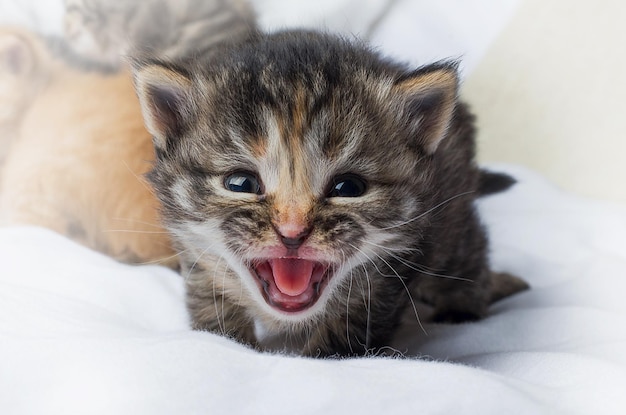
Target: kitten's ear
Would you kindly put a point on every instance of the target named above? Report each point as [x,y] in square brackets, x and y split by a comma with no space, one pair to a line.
[16,55]
[428,97]
[165,98]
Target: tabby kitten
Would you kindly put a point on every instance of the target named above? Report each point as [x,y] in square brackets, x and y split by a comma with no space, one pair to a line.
[105,31]
[315,190]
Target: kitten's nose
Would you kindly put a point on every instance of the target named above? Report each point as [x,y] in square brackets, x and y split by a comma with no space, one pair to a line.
[293,237]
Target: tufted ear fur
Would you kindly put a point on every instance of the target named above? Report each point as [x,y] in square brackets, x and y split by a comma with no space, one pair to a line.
[428,98]
[166,101]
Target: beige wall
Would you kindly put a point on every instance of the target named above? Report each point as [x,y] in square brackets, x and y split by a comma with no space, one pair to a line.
[551,91]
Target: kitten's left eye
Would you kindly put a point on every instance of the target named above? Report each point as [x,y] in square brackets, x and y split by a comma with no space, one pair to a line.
[243,183]
[347,186]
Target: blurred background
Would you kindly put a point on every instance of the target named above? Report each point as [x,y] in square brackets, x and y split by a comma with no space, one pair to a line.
[544,77]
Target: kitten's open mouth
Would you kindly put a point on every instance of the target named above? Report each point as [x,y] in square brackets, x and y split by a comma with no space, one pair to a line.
[291,284]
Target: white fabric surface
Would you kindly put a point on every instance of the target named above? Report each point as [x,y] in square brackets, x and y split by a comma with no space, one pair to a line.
[83,334]
[415,31]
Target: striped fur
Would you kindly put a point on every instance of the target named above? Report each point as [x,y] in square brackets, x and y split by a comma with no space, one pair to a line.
[298,110]
[103,32]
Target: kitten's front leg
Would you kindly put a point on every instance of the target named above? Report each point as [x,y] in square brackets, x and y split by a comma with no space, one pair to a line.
[333,339]
[211,309]
[471,303]
[464,285]
[367,325]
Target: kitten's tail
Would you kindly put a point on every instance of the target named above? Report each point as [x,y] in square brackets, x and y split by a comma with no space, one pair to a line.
[492,182]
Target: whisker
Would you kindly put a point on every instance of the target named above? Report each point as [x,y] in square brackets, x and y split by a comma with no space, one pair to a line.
[418,267]
[160,260]
[368,305]
[196,261]
[141,179]
[240,294]
[401,280]
[136,231]
[348,311]
[406,250]
[156,225]
[428,211]
[408,294]
[217,313]
[223,295]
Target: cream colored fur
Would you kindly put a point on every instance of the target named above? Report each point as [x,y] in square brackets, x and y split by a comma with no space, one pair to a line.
[21,77]
[78,161]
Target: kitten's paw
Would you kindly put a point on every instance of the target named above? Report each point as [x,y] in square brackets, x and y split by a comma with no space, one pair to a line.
[504,285]
[455,316]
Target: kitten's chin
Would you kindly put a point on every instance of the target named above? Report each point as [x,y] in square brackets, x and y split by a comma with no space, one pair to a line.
[291,285]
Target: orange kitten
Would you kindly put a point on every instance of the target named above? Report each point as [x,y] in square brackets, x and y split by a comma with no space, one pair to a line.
[78,161]
[21,76]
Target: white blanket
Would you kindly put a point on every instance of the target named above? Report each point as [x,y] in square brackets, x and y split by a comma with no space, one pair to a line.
[80,333]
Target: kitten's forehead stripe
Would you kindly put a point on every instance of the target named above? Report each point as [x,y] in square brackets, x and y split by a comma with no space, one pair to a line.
[289,193]
[258,147]
[295,136]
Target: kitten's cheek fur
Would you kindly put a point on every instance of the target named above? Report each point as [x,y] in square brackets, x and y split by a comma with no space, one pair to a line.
[254,284]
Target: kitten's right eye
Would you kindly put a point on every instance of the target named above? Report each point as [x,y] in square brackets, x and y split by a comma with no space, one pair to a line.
[243,183]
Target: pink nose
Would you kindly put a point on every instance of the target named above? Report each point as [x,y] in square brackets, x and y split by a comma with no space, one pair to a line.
[293,236]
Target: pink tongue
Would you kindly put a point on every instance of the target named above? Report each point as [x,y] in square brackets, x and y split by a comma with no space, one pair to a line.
[292,276]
